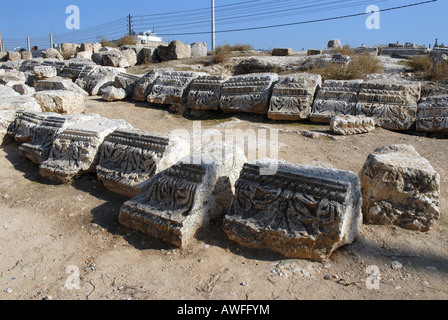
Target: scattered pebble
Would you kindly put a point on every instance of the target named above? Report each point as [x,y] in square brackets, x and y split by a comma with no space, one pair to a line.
[244,284]
[396,265]
[9,290]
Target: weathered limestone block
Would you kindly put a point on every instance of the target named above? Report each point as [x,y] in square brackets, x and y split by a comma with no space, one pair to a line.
[129,157]
[314,52]
[91,47]
[45,72]
[112,93]
[300,211]
[13,56]
[205,92]
[392,104]
[130,56]
[293,96]
[84,55]
[348,125]
[335,43]
[99,77]
[171,87]
[52,54]
[176,50]
[6,91]
[143,86]
[185,197]
[23,89]
[7,117]
[25,123]
[59,83]
[127,82]
[432,114]
[77,69]
[198,49]
[147,56]
[60,101]
[399,187]
[115,59]
[69,48]
[9,75]
[24,103]
[25,55]
[76,149]
[248,93]
[282,52]
[373,51]
[335,97]
[44,133]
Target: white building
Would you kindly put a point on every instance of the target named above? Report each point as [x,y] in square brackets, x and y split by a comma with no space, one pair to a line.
[148,36]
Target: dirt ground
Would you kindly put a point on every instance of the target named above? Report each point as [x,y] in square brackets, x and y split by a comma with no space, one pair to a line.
[50,233]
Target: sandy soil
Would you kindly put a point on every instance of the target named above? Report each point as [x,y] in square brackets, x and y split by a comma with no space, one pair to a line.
[51,233]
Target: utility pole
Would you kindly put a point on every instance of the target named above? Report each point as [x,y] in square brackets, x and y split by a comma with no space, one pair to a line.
[1,42]
[130,25]
[28,43]
[51,40]
[213,25]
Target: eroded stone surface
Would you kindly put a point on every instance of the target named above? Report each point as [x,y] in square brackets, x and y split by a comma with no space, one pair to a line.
[75,150]
[335,97]
[248,93]
[300,211]
[183,198]
[60,101]
[432,114]
[143,86]
[205,92]
[129,157]
[45,132]
[24,124]
[392,104]
[171,87]
[348,125]
[399,187]
[292,96]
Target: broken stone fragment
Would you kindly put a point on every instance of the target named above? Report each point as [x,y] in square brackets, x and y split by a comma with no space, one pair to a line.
[60,101]
[45,72]
[25,123]
[292,96]
[143,86]
[45,132]
[185,197]
[399,187]
[112,93]
[299,211]
[76,149]
[348,125]
[129,157]
[98,78]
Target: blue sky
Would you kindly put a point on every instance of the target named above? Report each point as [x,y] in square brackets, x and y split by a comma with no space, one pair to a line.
[37,19]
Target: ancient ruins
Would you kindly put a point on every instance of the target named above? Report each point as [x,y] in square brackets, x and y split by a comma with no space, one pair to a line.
[299,211]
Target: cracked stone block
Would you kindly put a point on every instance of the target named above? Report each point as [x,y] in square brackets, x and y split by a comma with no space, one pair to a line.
[44,133]
[432,114]
[248,93]
[293,96]
[336,97]
[300,211]
[348,125]
[400,187]
[205,92]
[186,197]
[76,149]
[144,85]
[392,104]
[60,101]
[171,87]
[24,124]
[6,119]
[129,157]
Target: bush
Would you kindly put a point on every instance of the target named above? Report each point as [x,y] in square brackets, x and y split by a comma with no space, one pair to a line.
[223,52]
[107,43]
[357,68]
[128,40]
[425,68]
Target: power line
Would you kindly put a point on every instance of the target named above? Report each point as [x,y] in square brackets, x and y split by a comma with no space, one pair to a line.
[301,22]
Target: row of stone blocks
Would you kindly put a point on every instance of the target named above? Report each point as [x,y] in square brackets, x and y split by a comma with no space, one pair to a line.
[392,105]
[299,211]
